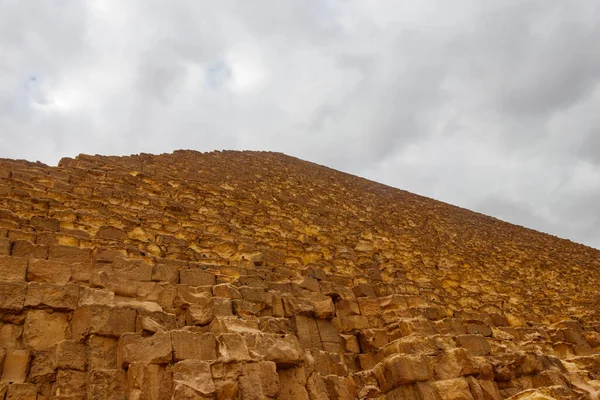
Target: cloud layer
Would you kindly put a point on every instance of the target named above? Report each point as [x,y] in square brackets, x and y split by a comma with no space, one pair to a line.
[489,105]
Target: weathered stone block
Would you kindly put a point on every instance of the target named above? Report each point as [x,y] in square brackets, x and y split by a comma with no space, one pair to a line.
[150,381]
[24,248]
[134,270]
[454,363]
[292,384]
[477,345]
[155,349]
[204,314]
[48,271]
[372,339]
[59,297]
[226,290]
[12,269]
[42,370]
[369,305]
[70,385]
[42,329]
[156,321]
[192,379]
[16,366]
[400,369]
[12,296]
[192,345]
[69,254]
[234,325]
[102,320]
[108,384]
[284,350]
[71,354]
[196,277]
[102,352]
[324,308]
[308,332]
[232,347]
[259,381]
[21,391]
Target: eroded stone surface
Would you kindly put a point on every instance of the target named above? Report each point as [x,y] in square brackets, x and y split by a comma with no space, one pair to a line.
[255,275]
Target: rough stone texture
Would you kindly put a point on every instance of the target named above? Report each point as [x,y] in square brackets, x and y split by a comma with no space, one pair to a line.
[250,275]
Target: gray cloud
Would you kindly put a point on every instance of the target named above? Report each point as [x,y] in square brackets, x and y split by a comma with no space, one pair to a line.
[488,105]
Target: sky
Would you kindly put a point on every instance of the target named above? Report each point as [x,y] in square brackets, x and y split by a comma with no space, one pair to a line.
[489,105]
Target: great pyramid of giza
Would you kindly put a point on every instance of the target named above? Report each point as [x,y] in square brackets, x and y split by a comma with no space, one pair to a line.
[255,275]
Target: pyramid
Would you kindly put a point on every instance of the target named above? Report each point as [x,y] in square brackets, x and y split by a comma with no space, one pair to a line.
[255,275]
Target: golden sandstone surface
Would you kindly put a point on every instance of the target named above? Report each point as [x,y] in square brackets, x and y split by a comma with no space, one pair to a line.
[256,275]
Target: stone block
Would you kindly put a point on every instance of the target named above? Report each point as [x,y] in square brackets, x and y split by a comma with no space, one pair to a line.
[155,321]
[71,354]
[102,320]
[400,369]
[233,325]
[22,391]
[12,296]
[12,269]
[49,271]
[43,329]
[133,270]
[477,345]
[134,347]
[110,233]
[192,380]
[196,277]
[10,335]
[352,323]
[364,290]
[324,308]
[108,384]
[283,350]
[42,370]
[69,254]
[102,352]
[204,314]
[369,305]
[59,297]
[232,348]
[454,363]
[165,272]
[308,332]
[150,381]
[192,345]
[328,332]
[453,389]
[372,339]
[259,381]
[70,385]
[292,384]
[16,366]
[226,290]
[24,248]
[4,246]
[340,388]
[350,343]
[294,306]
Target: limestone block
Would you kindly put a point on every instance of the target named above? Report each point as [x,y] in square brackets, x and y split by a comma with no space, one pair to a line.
[417,326]
[12,269]
[352,323]
[102,352]
[21,391]
[225,377]
[364,290]
[294,306]
[12,296]
[478,329]
[71,354]
[110,233]
[150,381]
[259,381]
[70,385]
[232,347]
[369,305]
[107,384]
[477,345]
[69,254]
[204,314]
[284,350]
[256,295]
[134,270]
[399,369]
[102,320]
[24,248]
[327,363]
[196,277]
[4,246]
[328,332]
[372,339]
[234,325]
[226,290]
[155,321]
[10,335]
[308,332]
[42,370]
[166,272]
[192,380]
[49,271]
[16,366]
[454,363]
[59,297]
[134,347]
[42,329]
[340,388]
[192,345]
[324,308]
[292,384]
[350,343]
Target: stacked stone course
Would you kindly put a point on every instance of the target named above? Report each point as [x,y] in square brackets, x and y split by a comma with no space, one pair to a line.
[255,275]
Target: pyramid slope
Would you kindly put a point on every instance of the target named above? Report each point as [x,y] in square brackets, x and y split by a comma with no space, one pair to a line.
[133,275]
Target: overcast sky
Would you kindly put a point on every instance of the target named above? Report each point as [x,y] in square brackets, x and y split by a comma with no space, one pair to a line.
[490,105]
